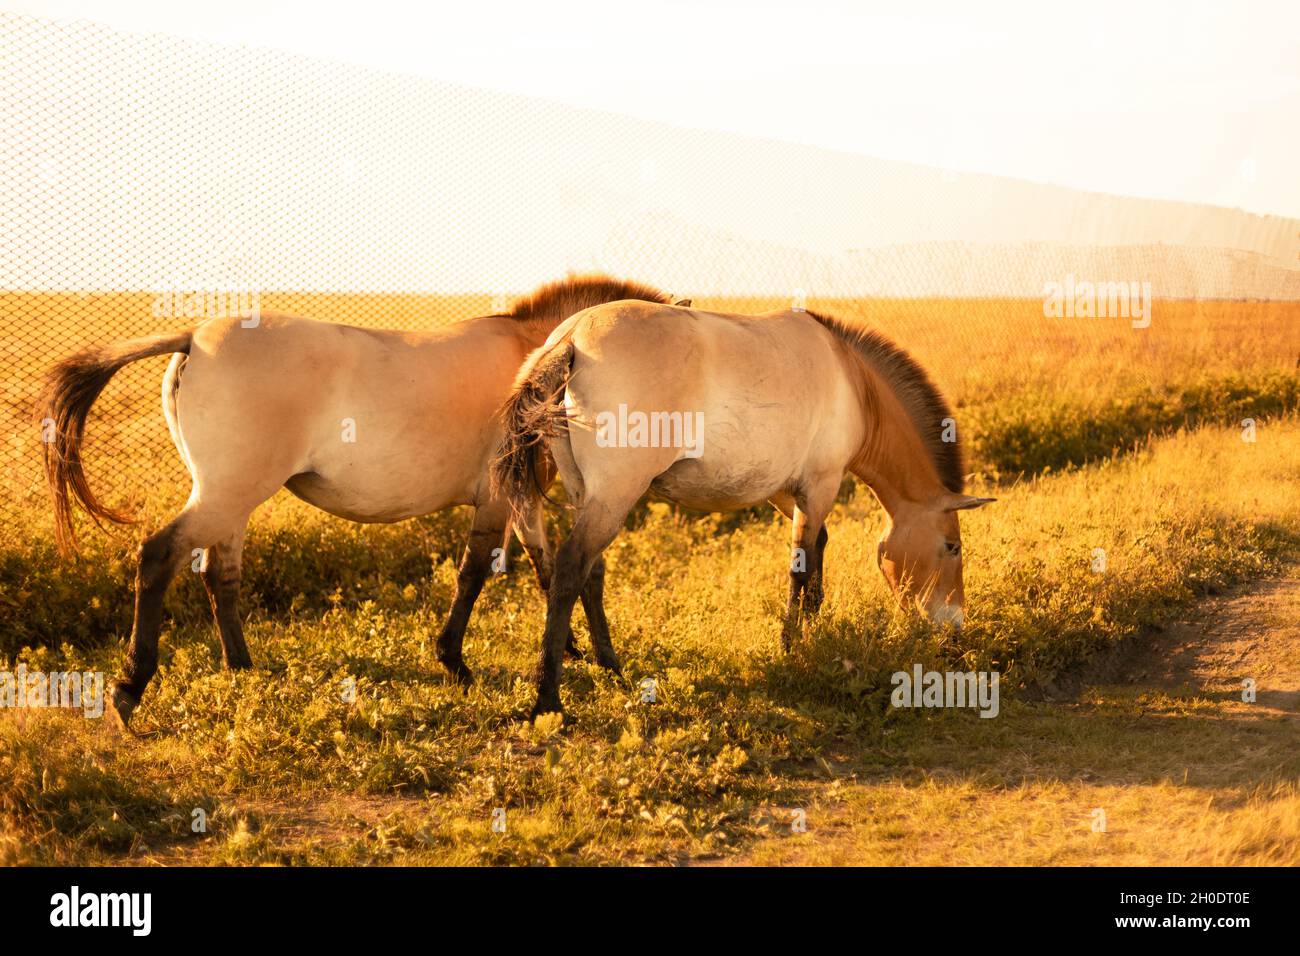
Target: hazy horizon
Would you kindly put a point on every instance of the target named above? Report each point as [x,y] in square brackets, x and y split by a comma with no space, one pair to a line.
[1110,97]
[149,161]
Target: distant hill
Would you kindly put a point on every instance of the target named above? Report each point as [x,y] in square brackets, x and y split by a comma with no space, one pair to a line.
[725,264]
[248,168]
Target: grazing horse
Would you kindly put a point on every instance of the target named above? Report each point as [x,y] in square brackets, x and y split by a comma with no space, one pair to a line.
[370,425]
[717,412]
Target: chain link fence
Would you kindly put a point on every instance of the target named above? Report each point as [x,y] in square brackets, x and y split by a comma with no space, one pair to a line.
[147,181]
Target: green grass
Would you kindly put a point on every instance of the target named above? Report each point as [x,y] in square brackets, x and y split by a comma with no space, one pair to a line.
[412,771]
[1058,417]
[297,560]
[1036,431]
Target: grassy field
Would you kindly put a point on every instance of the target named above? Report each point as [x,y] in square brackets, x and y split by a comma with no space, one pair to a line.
[1157,738]
[286,770]
[1033,393]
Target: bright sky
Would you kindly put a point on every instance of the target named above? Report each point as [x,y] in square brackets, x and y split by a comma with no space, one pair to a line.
[1195,101]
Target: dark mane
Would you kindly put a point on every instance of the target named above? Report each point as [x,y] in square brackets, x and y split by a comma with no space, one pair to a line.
[922,399]
[560,299]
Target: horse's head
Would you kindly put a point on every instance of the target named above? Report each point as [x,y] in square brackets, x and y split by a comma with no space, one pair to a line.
[920,556]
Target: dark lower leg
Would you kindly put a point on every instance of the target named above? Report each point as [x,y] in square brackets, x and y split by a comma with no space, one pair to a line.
[571,568]
[813,592]
[805,579]
[593,603]
[159,558]
[798,580]
[543,565]
[221,578]
[474,568]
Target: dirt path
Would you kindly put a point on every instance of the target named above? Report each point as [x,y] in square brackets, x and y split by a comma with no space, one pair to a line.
[1153,757]
[1254,634]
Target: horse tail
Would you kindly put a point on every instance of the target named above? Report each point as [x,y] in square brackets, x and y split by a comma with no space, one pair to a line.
[533,413]
[70,390]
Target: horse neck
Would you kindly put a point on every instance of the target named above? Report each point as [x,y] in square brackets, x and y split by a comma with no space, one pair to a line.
[533,332]
[892,459]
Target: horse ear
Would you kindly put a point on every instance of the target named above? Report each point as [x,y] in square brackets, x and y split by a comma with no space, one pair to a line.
[684,303]
[965,502]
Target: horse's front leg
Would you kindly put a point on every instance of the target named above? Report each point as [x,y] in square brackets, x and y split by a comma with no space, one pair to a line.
[809,548]
[813,592]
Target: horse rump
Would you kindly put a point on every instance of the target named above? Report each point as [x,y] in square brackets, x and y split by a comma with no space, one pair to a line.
[533,413]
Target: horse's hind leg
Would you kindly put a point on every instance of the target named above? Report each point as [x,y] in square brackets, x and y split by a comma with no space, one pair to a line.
[221,575]
[531,530]
[593,603]
[597,524]
[487,533]
[178,544]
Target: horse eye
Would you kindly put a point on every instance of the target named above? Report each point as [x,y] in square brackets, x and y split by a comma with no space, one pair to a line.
[953,549]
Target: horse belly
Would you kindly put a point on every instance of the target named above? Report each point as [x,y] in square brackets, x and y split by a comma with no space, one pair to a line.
[718,485]
[348,500]
[382,489]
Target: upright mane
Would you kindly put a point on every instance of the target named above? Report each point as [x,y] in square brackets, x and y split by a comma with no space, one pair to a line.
[919,396]
[560,299]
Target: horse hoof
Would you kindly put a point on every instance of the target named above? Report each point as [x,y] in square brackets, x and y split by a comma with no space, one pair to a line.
[123,706]
[788,635]
[461,674]
[547,704]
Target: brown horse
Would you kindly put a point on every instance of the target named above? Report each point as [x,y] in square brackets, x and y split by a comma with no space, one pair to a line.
[717,412]
[367,424]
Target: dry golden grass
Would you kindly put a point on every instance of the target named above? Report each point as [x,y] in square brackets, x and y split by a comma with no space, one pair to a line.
[1003,364]
[412,771]
[740,734]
